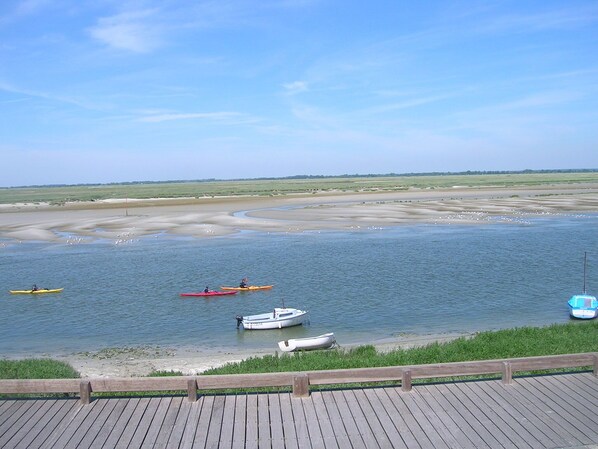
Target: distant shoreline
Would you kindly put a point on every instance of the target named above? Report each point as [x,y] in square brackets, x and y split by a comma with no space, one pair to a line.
[116,219]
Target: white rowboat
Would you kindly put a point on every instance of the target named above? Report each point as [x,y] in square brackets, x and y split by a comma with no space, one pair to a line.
[277,319]
[304,344]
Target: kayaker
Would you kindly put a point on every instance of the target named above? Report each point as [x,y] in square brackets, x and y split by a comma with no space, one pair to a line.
[243,283]
[34,288]
[206,290]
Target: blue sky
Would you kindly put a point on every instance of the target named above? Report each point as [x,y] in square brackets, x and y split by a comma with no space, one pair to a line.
[96,91]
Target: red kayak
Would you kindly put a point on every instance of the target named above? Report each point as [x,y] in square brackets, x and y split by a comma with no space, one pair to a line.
[212,293]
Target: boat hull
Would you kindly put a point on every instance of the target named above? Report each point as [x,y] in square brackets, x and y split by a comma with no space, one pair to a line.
[584,307]
[218,293]
[248,288]
[324,341]
[279,318]
[41,291]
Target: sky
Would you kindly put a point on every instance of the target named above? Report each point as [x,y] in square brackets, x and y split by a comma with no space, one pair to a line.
[101,91]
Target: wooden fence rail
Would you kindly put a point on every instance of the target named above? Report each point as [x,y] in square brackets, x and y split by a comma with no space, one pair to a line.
[300,381]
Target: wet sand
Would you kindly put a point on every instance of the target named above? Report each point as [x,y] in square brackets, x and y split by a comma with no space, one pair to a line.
[131,362]
[121,221]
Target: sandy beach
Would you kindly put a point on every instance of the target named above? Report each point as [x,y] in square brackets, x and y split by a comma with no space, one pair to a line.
[120,221]
[141,361]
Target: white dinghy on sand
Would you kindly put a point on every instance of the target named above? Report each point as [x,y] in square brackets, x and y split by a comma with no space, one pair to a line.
[324,341]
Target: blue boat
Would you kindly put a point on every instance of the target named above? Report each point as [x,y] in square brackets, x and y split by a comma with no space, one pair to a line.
[583,306]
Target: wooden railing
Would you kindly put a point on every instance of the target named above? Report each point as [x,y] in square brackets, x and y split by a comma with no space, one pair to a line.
[299,381]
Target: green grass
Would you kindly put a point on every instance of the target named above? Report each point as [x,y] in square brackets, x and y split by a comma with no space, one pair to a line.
[573,337]
[275,187]
[36,369]
[567,338]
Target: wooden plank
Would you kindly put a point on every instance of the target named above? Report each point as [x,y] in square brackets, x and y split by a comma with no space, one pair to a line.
[276,427]
[529,403]
[228,422]
[300,423]
[525,412]
[175,433]
[330,441]
[110,428]
[560,412]
[215,422]
[169,421]
[444,425]
[85,425]
[336,422]
[98,423]
[54,424]
[347,419]
[203,423]
[13,425]
[12,439]
[190,430]
[408,427]
[371,419]
[16,411]
[585,403]
[510,415]
[263,422]
[480,418]
[380,405]
[359,418]
[140,423]
[132,424]
[455,414]
[251,422]
[420,418]
[61,438]
[313,425]
[561,401]
[586,383]
[156,421]
[520,435]
[239,424]
[5,405]
[288,423]
[119,421]
[41,426]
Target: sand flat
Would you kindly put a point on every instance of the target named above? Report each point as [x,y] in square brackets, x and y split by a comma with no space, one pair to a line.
[205,217]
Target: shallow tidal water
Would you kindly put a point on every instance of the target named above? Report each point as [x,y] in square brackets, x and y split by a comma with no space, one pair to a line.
[365,286]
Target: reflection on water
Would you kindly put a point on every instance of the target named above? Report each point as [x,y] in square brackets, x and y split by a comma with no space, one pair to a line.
[364,286]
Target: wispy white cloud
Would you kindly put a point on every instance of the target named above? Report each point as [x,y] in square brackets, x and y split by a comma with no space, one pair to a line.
[7,87]
[295,87]
[136,31]
[228,117]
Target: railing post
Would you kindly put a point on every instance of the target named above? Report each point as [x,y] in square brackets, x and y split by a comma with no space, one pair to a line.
[85,392]
[595,358]
[406,380]
[192,390]
[507,373]
[300,385]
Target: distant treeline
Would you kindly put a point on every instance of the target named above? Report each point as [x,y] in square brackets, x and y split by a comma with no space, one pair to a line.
[308,177]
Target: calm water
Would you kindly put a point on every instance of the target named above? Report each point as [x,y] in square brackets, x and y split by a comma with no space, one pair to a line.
[364,286]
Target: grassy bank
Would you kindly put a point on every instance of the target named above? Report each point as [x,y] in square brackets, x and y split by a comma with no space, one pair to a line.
[274,187]
[573,337]
[568,338]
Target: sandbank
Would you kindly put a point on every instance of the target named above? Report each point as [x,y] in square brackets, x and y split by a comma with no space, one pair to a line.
[121,221]
[141,361]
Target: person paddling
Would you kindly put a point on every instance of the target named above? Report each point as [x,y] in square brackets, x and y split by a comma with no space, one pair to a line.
[206,290]
[243,283]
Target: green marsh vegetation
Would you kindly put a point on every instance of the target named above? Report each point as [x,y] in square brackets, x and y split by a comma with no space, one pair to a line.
[569,338]
[59,195]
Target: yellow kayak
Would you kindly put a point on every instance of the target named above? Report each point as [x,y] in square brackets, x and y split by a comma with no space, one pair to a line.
[36,292]
[248,288]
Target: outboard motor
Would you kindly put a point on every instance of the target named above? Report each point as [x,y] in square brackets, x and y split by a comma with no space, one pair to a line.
[239,320]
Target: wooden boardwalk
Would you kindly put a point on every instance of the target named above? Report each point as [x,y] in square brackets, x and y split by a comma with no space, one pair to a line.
[559,411]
